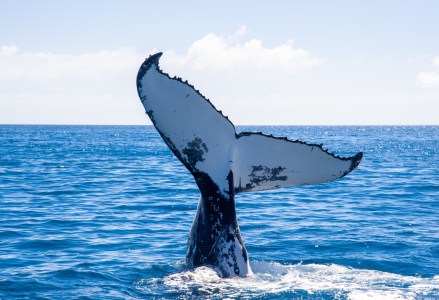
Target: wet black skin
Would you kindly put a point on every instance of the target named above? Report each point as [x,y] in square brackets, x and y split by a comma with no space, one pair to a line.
[214,224]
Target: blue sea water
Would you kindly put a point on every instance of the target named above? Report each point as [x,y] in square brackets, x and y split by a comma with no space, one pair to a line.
[103,212]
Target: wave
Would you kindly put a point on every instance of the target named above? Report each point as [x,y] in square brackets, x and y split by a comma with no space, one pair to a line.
[305,281]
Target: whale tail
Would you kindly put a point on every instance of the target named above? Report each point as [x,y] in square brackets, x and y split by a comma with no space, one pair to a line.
[204,140]
[224,163]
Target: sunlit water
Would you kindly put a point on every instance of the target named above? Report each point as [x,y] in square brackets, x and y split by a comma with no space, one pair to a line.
[103,212]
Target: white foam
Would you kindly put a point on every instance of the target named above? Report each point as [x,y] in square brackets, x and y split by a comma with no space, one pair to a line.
[313,279]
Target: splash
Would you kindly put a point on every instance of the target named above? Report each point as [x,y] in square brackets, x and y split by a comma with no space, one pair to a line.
[273,280]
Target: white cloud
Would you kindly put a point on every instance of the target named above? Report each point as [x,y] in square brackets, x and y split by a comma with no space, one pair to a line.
[99,87]
[8,50]
[430,79]
[46,66]
[217,53]
[211,52]
[51,88]
[241,30]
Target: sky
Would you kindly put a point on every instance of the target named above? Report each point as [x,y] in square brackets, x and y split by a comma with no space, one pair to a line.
[271,63]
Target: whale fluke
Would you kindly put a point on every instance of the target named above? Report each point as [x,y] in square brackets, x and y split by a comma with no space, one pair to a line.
[224,163]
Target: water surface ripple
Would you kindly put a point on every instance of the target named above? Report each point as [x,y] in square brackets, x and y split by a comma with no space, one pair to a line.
[103,212]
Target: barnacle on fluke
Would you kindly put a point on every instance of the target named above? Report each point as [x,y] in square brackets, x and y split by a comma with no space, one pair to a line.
[224,163]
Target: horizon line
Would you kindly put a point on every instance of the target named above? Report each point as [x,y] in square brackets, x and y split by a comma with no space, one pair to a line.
[248,125]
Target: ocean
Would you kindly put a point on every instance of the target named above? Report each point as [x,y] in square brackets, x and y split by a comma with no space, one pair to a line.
[103,212]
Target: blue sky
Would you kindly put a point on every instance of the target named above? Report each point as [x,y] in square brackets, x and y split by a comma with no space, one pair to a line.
[282,62]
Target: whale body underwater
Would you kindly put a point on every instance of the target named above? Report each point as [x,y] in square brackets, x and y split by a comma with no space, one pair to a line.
[225,163]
